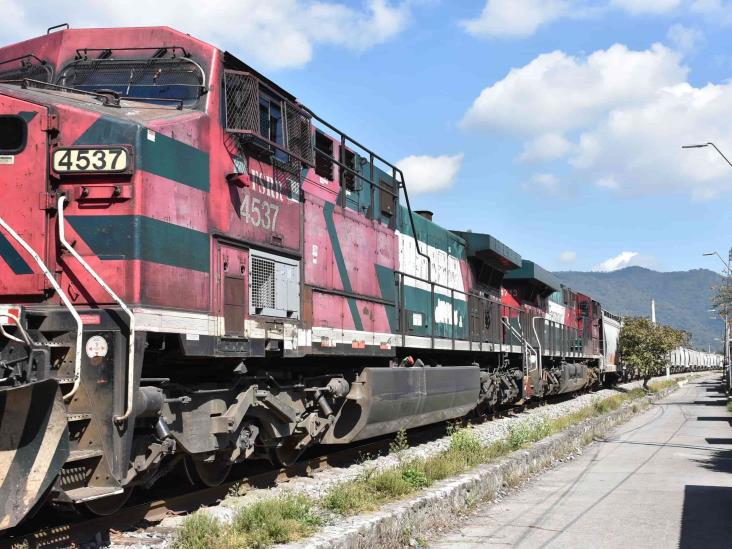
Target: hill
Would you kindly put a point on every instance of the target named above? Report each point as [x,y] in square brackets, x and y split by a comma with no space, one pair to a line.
[682,298]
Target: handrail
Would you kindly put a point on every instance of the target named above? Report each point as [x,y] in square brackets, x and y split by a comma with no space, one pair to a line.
[538,343]
[28,341]
[123,306]
[520,336]
[64,299]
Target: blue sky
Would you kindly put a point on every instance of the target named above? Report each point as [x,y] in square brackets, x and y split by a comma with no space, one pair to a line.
[555,125]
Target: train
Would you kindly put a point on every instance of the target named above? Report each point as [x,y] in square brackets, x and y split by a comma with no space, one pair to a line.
[197,270]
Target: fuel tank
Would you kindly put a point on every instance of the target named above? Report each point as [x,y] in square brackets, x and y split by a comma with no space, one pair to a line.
[385,400]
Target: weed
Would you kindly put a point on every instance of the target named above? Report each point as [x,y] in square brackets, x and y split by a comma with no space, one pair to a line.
[416,478]
[523,433]
[465,440]
[400,442]
[658,386]
[276,520]
[198,531]
[350,498]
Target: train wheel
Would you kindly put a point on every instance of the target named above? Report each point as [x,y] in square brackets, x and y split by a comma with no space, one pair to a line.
[287,454]
[209,474]
[103,507]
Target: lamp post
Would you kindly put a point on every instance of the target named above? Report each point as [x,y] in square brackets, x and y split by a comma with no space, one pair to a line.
[710,144]
[728,367]
[727,353]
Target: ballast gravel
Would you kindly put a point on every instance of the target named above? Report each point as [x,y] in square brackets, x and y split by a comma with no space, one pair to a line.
[321,482]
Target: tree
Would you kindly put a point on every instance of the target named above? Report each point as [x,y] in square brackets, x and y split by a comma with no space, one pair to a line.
[645,346]
[722,299]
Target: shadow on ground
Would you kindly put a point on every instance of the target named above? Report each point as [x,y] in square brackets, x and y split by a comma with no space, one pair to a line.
[705,519]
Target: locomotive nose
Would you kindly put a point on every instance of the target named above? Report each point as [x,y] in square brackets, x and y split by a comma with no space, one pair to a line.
[34,444]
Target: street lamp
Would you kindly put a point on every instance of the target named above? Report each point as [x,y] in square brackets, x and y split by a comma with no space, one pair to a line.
[727,353]
[726,313]
[710,144]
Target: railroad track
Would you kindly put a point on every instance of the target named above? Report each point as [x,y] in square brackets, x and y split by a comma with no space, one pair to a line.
[49,529]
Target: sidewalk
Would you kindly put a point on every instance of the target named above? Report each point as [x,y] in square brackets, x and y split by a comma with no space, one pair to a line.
[660,480]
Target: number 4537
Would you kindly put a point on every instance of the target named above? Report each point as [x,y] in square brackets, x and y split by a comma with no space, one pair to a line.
[259,213]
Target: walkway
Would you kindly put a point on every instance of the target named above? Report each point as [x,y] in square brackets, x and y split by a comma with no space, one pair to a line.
[661,480]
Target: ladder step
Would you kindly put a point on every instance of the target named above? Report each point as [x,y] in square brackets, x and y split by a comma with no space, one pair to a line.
[78,417]
[78,455]
[88,493]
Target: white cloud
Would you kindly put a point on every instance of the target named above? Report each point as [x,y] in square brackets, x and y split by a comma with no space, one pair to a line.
[515,18]
[715,10]
[625,259]
[522,18]
[557,92]
[607,182]
[548,146]
[547,182]
[638,149]
[685,39]
[568,257]
[638,7]
[274,34]
[424,174]
[618,117]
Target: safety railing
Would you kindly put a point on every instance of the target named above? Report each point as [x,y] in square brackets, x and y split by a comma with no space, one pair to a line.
[491,329]
[64,299]
[131,340]
[243,92]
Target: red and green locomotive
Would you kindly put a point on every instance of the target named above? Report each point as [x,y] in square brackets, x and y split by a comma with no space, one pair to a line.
[197,269]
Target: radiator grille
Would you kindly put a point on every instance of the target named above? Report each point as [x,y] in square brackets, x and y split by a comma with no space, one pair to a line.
[263,283]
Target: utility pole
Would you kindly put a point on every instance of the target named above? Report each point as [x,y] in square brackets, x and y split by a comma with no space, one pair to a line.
[727,350]
[726,316]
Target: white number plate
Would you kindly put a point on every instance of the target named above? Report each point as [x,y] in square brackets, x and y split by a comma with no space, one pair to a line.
[109,160]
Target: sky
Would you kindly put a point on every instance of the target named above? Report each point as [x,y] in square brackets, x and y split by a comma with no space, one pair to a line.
[554,125]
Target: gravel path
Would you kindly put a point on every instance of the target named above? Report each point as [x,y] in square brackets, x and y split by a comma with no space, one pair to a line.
[322,481]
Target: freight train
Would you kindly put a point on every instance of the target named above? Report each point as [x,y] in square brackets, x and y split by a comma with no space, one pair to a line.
[197,270]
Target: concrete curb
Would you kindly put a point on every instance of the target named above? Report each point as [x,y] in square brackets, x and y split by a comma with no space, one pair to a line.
[440,505]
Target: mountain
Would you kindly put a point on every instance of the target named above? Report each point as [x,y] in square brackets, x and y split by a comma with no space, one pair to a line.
[682,298]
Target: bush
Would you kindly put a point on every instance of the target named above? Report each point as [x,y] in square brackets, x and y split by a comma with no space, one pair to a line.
[276,520]
[416,478]
[465,440]
[198,531]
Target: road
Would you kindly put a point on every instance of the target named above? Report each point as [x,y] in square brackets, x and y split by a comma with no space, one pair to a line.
[660,480]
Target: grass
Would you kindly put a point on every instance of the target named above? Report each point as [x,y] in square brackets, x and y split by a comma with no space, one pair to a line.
[374,489]
[262,524]
[292,517]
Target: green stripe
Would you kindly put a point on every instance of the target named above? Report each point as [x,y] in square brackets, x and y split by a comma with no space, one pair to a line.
[165,157]
[431,233]
[341,263]
[174,160]
[387,284]
[137,237]
[13,258]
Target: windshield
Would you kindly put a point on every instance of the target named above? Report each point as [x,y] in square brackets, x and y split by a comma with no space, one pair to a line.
[155,80]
